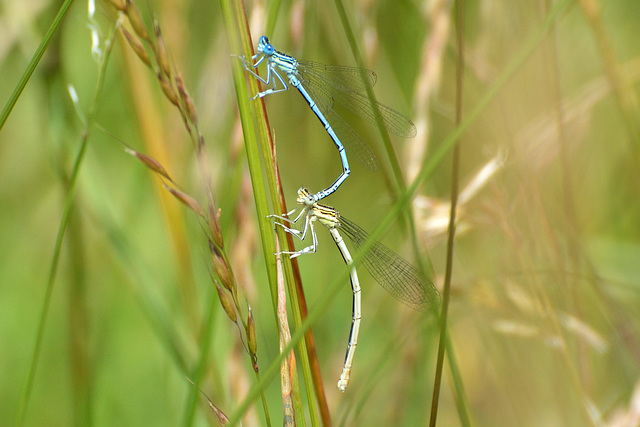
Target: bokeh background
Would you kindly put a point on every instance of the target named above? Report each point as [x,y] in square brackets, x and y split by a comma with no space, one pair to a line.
[544,316]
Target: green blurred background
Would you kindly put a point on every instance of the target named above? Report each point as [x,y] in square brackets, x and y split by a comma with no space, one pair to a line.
[545,293]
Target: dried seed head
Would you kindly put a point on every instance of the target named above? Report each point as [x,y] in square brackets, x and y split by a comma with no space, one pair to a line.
[186,199]
[252,339]
[167,89]
[227,303]
[149,162]
[221,416]
[221,268]
[214,226]
[188,102]
[137,47]
[136,21]
[161,51]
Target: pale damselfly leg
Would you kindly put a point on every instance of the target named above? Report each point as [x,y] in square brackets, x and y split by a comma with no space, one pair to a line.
[402,280]
[322,86]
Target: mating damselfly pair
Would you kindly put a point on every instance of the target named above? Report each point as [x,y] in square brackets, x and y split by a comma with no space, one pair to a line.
[323,86]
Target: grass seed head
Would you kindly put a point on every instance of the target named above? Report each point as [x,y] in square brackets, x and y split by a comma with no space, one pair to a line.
[167,89]
[227,303]
[221,268]
[136,21]
[214,226]
[187,100]
[137,47]
[150,163]
[252,339]
[186,200]
[161,51]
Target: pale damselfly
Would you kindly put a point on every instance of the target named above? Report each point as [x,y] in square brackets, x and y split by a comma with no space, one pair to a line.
[402,280]
[322,86]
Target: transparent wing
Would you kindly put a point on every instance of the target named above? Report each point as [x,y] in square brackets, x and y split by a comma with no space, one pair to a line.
[346,85]
[349,137]
[343,78]
[401,279]
[392,120]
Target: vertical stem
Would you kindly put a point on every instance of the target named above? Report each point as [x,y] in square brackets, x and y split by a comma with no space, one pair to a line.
[459,8]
